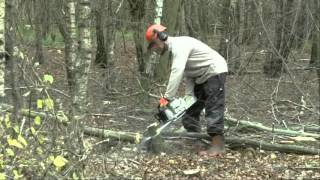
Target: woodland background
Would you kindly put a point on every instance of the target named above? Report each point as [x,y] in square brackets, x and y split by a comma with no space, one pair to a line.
[70,65]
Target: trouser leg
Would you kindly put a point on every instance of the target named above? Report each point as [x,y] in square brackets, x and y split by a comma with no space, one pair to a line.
[191,120]
[215,104]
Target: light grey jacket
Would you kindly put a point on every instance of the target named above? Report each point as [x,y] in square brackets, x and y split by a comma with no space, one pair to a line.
[193,60]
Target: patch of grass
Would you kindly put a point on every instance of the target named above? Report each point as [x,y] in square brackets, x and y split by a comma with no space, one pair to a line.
[127,34]
[53,39]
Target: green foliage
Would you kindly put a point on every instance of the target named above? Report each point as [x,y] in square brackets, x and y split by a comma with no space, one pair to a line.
[48,78]
[54,39]
[29,151]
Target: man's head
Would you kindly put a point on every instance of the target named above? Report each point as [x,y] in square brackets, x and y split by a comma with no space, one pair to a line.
[156,37]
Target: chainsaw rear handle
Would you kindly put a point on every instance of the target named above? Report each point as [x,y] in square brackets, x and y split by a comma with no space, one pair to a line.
[161,115]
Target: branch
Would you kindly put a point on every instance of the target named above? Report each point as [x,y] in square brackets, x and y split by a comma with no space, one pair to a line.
[232,141]
[260,126]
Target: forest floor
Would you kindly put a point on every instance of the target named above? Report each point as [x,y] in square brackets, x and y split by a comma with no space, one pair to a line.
[118,103]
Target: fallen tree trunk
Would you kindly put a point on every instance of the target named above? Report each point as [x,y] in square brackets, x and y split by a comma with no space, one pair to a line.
[309,128]
[230,120]
[246,142]
[260,126]
[137,137]
[231,141]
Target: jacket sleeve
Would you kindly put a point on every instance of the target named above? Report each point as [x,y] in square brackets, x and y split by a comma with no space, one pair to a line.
[189,89]
[179,59]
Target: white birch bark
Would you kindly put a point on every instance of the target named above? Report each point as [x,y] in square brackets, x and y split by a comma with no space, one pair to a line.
[71,43]
[159,7]
[82,64]
[150,68]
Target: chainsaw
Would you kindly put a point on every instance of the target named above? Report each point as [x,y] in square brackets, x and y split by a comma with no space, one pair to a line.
[170,113]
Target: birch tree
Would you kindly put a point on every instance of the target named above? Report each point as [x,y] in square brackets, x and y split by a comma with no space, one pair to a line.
[70,42]
[79,56]
[171,10]
[2,49]
[151,64]
[12,57]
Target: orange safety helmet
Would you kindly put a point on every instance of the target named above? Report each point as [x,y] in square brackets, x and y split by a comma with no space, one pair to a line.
[151,35]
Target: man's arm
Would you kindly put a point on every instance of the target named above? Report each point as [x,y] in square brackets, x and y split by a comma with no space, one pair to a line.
[179,60]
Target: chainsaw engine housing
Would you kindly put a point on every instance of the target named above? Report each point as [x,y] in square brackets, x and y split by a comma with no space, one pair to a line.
[175,108]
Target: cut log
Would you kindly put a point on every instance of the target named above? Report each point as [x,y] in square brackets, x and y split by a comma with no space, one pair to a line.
[121,136]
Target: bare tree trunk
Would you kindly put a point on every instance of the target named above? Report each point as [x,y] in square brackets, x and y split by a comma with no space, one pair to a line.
[12,59]
[70,43]
[315,52]
[100,15]
[192,18]
[203,20]
[71,58]
[151,64]
[2,48]
[283,38]
[225,47]
[137,11]
[303,25]
[80,69]
[170,17]
[110,30]
[38,7]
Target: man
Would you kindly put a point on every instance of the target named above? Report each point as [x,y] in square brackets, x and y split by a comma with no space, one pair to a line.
[204,71]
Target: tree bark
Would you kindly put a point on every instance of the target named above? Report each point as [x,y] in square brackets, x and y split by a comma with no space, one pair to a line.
[137,11]
[151,65]
[12,58]
[170,17]
[81,69]
[38,24]
[71,44]
[284,36]
[2,48]
[191,9]
[224,47]
[315,51]
[101,55]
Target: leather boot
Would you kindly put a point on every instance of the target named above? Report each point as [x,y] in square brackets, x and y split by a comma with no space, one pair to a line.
[216,147]
[218,142]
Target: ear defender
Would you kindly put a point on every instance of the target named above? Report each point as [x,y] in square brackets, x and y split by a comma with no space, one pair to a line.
[161,35]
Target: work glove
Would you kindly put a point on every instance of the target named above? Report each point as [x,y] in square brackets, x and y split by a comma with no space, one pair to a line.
[161,116]
[163,102]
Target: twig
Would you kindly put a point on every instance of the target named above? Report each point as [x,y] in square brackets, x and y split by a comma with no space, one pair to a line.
[279,55]
[151,95]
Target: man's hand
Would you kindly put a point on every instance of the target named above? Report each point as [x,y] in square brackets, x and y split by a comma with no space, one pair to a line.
[163,102]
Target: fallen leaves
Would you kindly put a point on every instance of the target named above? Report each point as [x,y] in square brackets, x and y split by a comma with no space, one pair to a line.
[191,171]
